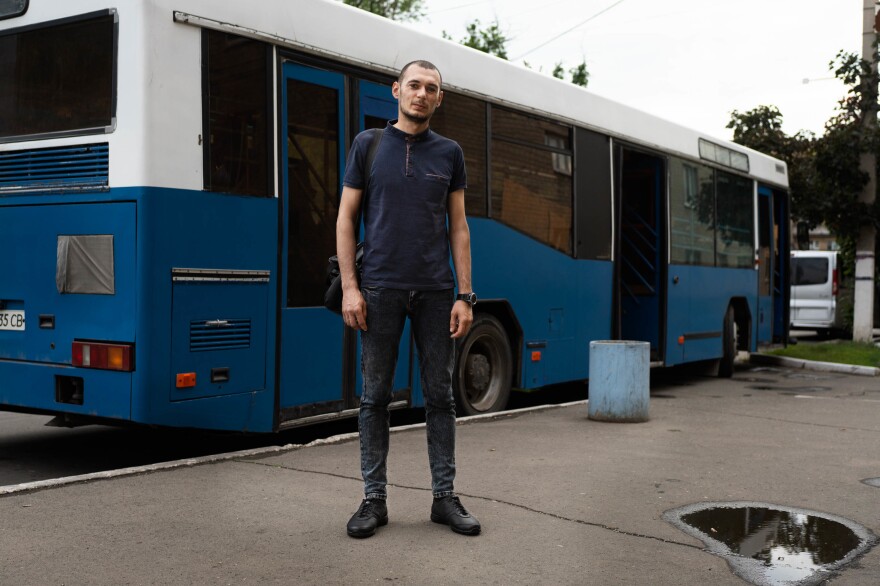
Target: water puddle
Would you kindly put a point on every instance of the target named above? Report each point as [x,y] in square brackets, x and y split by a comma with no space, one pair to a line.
[875,482]
[773,545]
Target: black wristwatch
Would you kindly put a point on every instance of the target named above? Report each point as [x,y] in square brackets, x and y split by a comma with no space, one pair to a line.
[469,297]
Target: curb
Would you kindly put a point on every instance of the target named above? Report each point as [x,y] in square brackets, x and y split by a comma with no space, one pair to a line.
[758,358]
[26,487]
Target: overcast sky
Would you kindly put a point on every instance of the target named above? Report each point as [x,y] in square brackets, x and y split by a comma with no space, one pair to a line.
[690,61]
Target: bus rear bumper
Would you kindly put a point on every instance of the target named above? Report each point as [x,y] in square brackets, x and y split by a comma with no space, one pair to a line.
[57,388]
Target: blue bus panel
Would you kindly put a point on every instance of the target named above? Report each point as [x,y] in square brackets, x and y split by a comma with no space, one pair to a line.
[559,302]
[697,302]
[46,265]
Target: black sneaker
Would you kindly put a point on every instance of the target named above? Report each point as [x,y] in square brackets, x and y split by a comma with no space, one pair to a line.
[371,514]
[448,510]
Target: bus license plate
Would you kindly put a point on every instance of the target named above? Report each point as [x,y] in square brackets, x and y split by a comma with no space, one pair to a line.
[12,319]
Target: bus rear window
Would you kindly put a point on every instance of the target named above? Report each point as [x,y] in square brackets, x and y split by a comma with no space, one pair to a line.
[57,79]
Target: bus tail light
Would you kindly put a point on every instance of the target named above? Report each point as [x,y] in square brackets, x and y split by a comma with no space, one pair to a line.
[103,355]
[835,282]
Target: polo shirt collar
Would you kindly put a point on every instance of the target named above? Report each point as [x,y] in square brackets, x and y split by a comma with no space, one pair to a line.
[399,133]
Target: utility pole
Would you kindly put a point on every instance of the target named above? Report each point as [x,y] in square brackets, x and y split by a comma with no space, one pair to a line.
[863,310]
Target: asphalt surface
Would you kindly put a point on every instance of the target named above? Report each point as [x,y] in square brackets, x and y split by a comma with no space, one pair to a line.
[562,499]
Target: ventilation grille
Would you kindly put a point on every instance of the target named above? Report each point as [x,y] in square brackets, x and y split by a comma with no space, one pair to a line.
[77,167]
[221,334]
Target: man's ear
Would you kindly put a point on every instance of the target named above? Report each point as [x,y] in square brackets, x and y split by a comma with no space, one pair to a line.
[395,90]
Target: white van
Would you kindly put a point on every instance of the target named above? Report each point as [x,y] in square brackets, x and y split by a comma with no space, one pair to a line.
[817,302]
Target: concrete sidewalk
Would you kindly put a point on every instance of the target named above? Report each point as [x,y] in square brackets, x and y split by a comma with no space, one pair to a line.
[562,499]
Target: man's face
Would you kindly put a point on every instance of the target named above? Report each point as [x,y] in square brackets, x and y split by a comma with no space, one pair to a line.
[418,94]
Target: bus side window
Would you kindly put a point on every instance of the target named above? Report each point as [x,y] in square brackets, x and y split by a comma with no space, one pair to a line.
[593,195]
[236,90]
[463,119]
[531,191]
[691,213]
[735,234]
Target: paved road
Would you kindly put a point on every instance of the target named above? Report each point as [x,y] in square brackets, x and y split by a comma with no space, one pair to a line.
[30,451]
[562,499]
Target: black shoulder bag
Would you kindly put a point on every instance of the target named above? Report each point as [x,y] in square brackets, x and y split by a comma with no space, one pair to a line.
[333,295]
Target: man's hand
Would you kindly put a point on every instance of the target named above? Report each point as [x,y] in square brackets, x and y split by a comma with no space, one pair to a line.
[461,319]
[354,309]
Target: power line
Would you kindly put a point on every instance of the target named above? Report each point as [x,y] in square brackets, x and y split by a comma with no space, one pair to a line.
[562,34]
[451,8]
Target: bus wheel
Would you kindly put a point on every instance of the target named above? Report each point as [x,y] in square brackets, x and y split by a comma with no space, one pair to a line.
[725,367]
[483,370]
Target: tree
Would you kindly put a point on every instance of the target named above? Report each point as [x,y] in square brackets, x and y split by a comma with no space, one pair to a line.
[824,174]
[402,10]
[761,129]
[579,74]
[489,40]
[837,155]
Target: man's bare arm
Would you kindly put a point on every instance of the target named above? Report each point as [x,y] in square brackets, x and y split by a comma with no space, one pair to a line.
[354,309]
[460,243]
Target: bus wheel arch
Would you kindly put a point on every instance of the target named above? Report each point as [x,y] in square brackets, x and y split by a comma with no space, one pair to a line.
[735,334]
[486,364]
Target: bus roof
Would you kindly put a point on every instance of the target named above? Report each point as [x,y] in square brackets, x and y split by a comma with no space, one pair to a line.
[332,29]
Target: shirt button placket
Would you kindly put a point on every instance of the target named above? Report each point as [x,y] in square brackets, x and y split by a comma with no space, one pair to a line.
[409,162]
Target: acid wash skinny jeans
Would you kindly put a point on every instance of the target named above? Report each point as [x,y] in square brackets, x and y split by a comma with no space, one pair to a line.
[429,312]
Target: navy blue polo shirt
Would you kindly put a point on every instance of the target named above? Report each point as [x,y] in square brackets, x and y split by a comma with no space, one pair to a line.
[406,242]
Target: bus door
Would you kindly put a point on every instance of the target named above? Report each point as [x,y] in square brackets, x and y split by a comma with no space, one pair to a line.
[640,265]
[777,232]
[376,106]
[312,150]
[766,264]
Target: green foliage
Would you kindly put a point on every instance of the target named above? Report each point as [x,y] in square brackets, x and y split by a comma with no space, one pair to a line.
[488,40]
[824,173]
[402,10]
[491,40]
[579,75]
[761,129]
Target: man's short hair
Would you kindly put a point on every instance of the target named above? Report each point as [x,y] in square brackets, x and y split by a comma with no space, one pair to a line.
[419,63]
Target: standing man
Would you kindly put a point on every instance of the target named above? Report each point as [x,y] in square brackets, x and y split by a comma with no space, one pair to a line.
[417,181]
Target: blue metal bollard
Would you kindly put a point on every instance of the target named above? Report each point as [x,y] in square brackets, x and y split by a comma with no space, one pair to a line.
[619,375]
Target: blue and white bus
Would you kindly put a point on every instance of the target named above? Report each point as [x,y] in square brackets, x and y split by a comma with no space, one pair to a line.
[170,172]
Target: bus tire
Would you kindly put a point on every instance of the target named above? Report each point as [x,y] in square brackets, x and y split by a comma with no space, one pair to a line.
[483,368]
[725,367]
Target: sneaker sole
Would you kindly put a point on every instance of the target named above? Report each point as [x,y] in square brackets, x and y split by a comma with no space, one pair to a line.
[442,521]
[381,523]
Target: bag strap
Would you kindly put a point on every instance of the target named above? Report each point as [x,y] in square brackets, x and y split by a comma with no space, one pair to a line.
[376,135]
